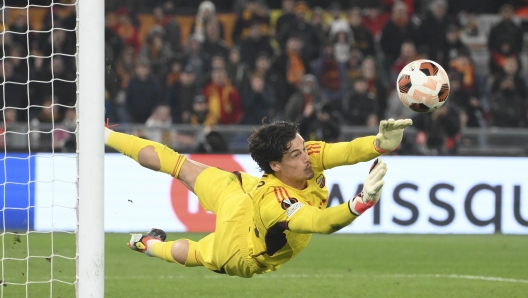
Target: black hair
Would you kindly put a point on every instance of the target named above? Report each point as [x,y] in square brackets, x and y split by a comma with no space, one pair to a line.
[270,143]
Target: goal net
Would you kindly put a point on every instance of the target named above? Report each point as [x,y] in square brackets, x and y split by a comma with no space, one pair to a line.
[44,166]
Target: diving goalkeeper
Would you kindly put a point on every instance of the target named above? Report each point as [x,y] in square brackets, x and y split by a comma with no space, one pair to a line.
[261,223]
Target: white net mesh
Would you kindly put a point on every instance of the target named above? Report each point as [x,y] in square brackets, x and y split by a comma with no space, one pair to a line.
[38,133]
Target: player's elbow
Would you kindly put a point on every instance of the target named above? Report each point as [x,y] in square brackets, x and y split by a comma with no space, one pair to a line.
[330,228]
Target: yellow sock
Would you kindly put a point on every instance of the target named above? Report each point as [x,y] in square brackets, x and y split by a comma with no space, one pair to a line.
[170,161]
[192,255]
[161,250]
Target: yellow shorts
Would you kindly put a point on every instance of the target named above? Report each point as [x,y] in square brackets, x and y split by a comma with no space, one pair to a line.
[224,194]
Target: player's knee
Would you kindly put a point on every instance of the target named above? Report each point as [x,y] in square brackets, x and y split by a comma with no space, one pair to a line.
[148,158]
[180,250]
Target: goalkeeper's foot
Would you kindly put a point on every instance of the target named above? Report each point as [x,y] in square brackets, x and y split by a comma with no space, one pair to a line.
[140,242]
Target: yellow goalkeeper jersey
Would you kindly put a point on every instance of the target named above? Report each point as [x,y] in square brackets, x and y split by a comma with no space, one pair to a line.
[275,204]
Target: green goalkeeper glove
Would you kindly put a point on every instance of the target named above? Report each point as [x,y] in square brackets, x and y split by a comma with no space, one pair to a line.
[390,134]
[371,189]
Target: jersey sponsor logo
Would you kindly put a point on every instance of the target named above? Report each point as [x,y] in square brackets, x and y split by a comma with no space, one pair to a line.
[288,202]
[321,181]
[293,208]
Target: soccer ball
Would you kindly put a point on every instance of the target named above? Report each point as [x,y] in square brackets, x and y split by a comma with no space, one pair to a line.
[423,86]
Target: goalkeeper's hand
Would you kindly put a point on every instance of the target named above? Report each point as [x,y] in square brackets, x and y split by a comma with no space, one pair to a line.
[390,134]
[371,189]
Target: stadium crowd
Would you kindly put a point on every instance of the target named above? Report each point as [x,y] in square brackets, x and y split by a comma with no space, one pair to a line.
[324,68]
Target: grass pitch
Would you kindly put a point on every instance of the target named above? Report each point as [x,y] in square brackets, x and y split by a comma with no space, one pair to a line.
[331,266]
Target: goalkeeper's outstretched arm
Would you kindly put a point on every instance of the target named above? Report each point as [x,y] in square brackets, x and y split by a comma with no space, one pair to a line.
[366,148]
[309,219]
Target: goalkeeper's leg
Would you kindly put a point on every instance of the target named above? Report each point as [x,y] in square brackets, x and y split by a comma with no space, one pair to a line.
[181,251]
[156,156]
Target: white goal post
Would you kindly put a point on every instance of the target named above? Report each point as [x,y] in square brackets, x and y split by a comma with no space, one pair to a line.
[90,149]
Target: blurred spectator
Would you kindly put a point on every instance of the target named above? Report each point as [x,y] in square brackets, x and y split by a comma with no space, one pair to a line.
[332,76]
[407,55]
[354,64]
[158,52]
[142,93]
[9,116]
[64,138]
[471,111]
[389,5]
[195,56]
[362,38]
[223,98]
[433,30]
[124,71]
[375,20]
[439,131]
[510,69]
[320,123]
[463,65]
[304,31]
[217,61]
[171,30]
[499,55]
[125,66]
[15,93]
[291,66]
[19,60]
[61,85]
[200,115]
[507,108]
[173,75]
[58,44]
[258,100]
[506,30]
[64,87]
[254,44]
[213,142]
[237,70]
[361,107]
[338,23]
[322,28]
[287,15]
[126,30]
[307,94]
[254,13]
[376,84]
[453,46]
[58,16]
[113,42]
[213,44]
[160,124]
[206,13]
[20,26]
[271,77]
[240,5]
[180,96]
[48,114]
[396,31]
[342,46]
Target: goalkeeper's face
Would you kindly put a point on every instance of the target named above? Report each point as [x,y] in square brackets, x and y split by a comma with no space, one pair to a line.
[295,167]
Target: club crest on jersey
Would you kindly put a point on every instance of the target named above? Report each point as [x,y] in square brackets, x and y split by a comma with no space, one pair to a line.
[321,181]
[286,203]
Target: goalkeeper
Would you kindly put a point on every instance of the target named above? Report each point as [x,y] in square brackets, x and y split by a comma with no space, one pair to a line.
[262,222]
